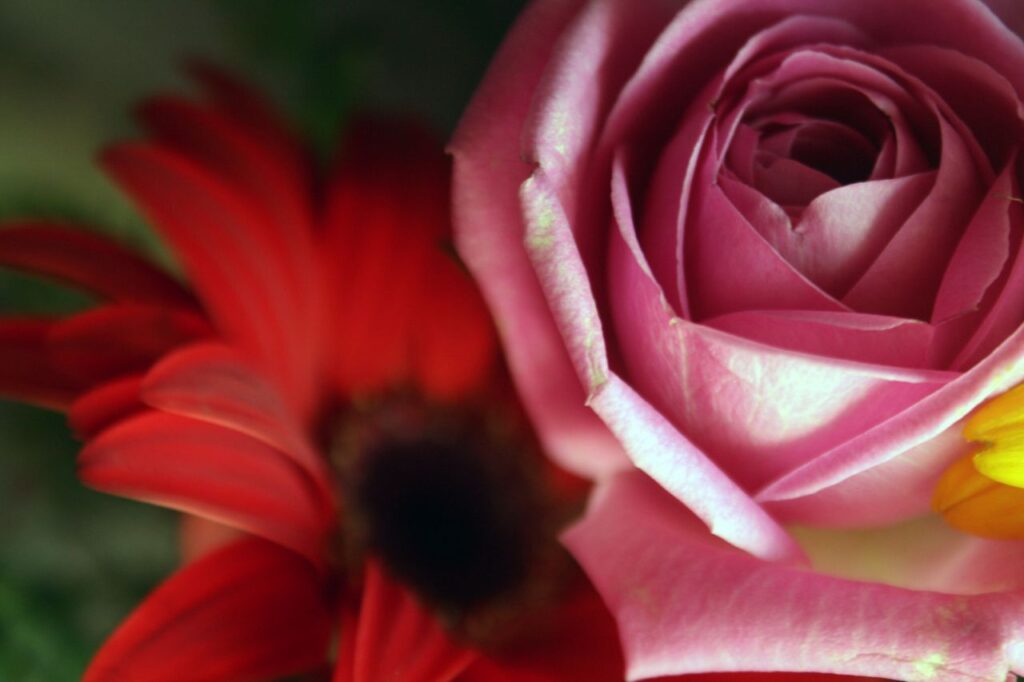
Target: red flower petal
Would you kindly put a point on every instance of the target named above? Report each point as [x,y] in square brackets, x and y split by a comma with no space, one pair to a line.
[385,218]
[211,382]
[209,471]
[198,536]
[216,234]
[121,338]
[578,643]
[250,611]
[105,404]
[455,340]
[396,639]
[251,168]
[26,372]
[252,112]
[90,261]
[216,142]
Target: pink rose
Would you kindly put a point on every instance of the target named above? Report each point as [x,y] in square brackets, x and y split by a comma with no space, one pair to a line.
[770,253]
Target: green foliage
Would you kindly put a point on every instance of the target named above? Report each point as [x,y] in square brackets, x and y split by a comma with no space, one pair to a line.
[73,562]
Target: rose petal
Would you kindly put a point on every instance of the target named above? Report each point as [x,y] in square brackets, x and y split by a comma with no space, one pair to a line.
[1005,314]
[658,448]
[734,398]
[688,603]
[905,277]
[852,86]
[662,235]
[594,57]
[559,266]
[978,93]
[980,264]
[488,172]
[892,490]
[840,232]
[874,339]
[710,33]
[684,470]
[920,423]
[788,182]
[920,554]
[754,275]
[1009,11]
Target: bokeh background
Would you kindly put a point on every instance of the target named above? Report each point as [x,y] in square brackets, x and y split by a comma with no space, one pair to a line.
[73,562]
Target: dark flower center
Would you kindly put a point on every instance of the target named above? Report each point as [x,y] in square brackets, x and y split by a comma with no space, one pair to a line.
[452,500]
[445,521]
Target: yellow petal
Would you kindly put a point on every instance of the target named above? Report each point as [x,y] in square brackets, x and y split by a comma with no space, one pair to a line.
[1003,459]
[1006,410]
[976,504]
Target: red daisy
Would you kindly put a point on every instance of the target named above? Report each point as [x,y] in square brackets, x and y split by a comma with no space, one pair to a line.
[331,391]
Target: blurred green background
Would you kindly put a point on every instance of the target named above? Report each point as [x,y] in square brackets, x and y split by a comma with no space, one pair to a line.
[73,562]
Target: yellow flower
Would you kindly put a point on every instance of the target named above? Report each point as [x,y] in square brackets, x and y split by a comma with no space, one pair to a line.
[983,493]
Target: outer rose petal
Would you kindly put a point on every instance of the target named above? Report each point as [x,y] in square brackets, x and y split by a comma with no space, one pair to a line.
[686,602]
[921,554]
[250,611]
[487,173]
[686,472]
